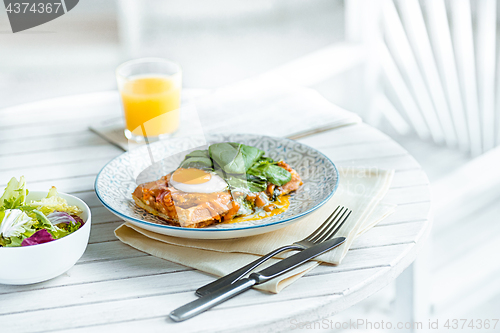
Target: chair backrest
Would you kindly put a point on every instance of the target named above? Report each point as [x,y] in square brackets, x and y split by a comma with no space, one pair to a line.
[439,65]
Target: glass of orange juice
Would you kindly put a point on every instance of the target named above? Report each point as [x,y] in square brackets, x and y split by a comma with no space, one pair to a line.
[150,89]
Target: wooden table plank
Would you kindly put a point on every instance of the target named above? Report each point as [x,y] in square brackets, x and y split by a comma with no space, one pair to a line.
[301,310]
[89,197]
[106,101]
[161,304]
[103,215]
[401,195]
[51,143]
[345,136]
[50,131]
[66,185]
[409,212]
[104,271]
[58,159]
[112,250]
[391,234]
[108,290]
[103,232]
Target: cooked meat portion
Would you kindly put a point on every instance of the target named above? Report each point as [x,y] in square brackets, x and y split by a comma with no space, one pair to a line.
[191,210]
[293,184]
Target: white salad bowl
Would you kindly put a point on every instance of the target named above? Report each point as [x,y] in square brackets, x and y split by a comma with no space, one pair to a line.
[42,262]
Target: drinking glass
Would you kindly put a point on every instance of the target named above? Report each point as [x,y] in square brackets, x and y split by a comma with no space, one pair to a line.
[150,90]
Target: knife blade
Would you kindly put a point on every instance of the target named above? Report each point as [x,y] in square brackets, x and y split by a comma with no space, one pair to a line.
[206,302]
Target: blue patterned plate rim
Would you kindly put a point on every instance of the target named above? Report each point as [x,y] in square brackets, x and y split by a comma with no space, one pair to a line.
[221,230]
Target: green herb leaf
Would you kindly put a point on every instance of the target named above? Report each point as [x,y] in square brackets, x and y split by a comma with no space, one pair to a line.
[234,158]
[250,155]
[272,172]
[277,175]
[199,159]
[198,163]
[256,183]
[198,153]
[228,156]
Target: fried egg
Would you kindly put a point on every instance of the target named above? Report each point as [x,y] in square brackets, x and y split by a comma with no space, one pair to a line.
[197,181]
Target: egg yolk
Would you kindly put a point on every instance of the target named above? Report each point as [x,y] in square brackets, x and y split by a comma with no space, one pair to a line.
[191,176]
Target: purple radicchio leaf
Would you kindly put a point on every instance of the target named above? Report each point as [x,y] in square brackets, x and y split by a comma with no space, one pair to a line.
[39,237]
[61,217]
[78,219]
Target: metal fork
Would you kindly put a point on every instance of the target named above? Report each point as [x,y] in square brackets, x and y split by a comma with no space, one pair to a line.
[324,232]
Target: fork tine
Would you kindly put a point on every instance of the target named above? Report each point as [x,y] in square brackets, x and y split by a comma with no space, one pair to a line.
[337,227]
[322,227]
[331,226]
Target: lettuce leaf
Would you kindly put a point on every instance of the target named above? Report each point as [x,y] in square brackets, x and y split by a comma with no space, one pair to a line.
[52,203]
[15,194]
[44,223]
[23,223]
[62,220]
[14,223]
[61,217]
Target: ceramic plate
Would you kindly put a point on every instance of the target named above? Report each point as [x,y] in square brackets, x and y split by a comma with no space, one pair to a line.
[119,178]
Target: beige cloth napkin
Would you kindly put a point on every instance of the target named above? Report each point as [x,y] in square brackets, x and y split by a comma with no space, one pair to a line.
[360,189]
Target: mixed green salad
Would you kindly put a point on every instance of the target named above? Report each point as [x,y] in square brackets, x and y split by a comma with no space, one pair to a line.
[29,223]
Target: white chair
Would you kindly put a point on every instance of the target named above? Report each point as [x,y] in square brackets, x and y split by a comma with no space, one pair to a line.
[438,67]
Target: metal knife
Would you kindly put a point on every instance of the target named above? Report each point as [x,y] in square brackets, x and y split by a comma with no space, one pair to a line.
[208,301]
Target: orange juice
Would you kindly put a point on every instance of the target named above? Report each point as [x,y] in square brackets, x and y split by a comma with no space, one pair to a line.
[151,104]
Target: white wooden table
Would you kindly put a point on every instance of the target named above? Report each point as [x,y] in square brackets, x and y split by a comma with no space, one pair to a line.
[117,288]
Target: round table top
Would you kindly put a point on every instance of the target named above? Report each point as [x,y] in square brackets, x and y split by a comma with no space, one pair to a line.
[115,287]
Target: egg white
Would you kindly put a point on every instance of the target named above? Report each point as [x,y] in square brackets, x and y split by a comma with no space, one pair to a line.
[215,184]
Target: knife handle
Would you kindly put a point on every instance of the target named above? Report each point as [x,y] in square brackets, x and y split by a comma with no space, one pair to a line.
[204,303]
[239,273]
